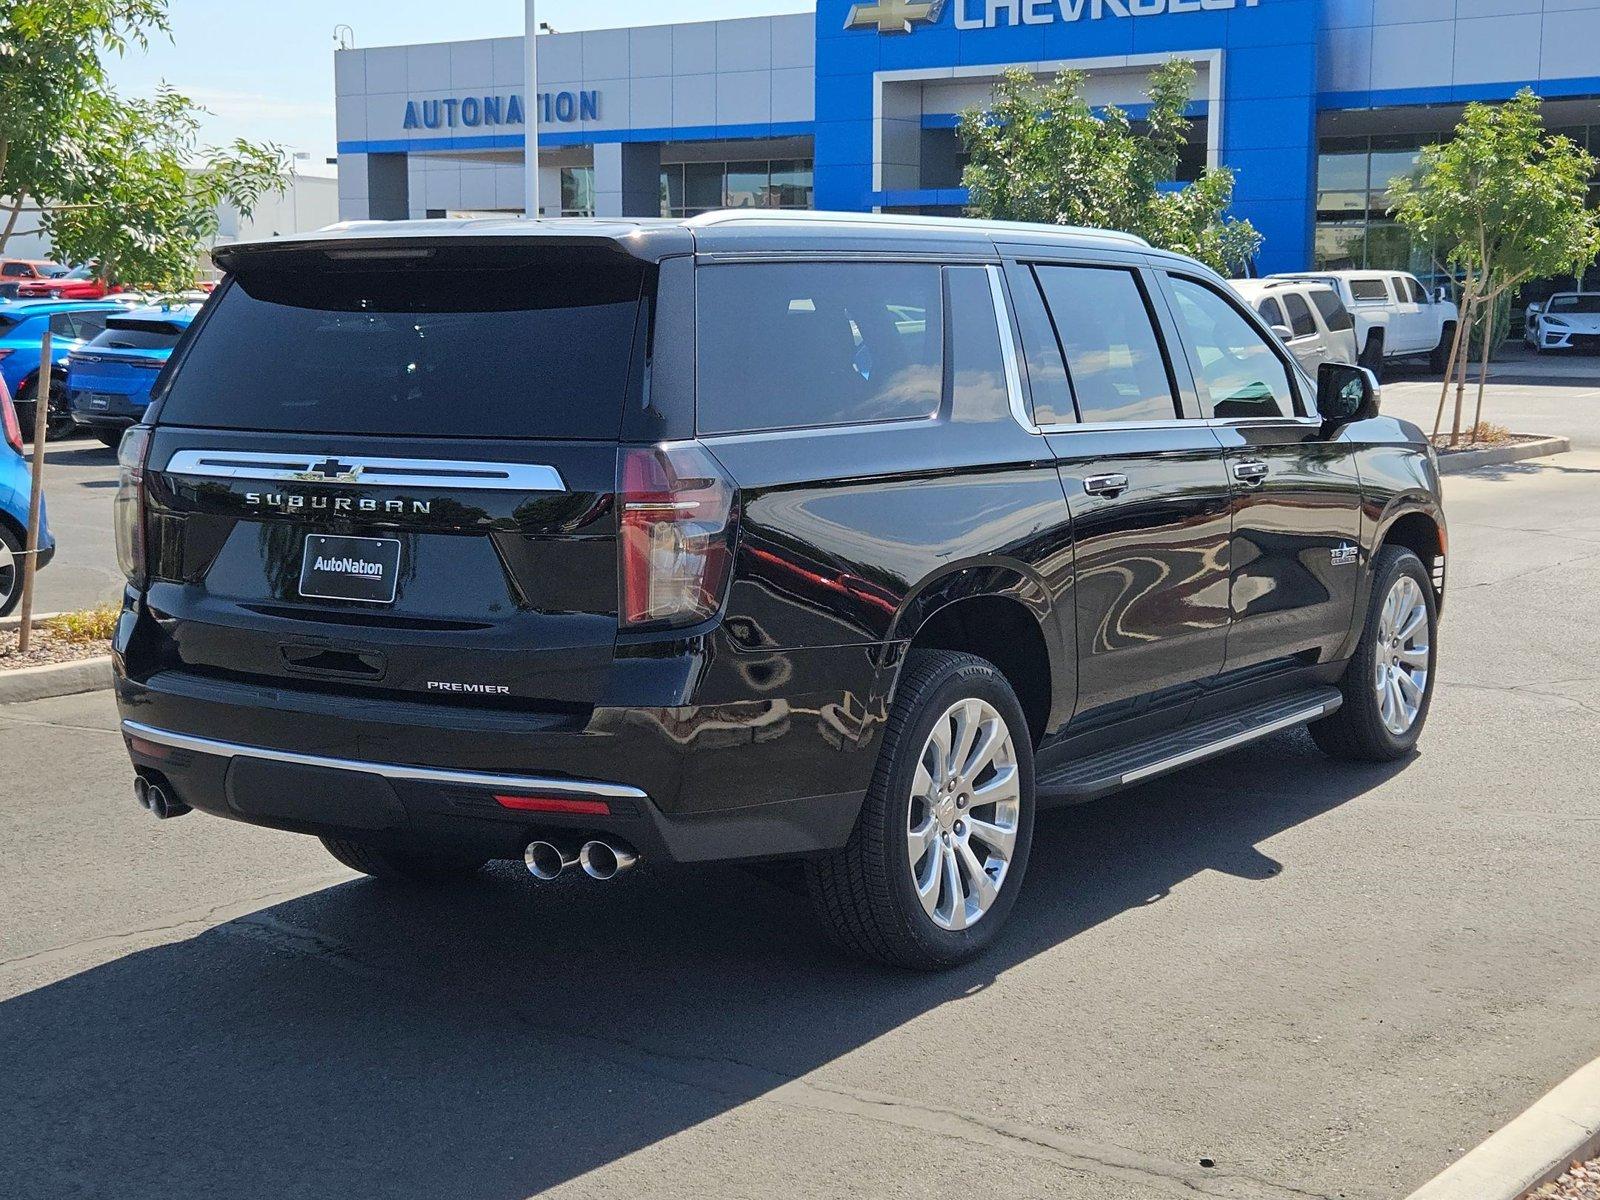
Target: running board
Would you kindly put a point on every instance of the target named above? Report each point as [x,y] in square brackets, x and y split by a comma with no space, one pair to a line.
[1099,774]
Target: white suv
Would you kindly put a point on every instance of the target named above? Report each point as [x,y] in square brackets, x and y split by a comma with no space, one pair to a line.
[1309,318]
[1394,314]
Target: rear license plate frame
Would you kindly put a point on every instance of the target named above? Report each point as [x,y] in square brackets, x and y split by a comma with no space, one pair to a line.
[350,585]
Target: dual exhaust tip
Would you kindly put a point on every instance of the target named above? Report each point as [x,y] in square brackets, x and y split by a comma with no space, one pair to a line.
[155,798]
[599,860]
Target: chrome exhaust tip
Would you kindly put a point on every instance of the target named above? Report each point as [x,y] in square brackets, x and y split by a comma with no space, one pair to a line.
[161,805]
[546,860]
[602,860]
[141,791]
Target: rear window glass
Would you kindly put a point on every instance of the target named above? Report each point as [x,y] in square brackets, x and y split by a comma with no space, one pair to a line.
[804,345]
[1114,360]
[137,335]
[511,343]
[1333,311]
[1369,291]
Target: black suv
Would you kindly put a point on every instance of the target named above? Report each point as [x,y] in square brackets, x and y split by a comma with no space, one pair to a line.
[844,540]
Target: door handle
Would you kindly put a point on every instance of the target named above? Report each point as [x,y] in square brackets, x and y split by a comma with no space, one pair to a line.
[1106,485]
[1252,471]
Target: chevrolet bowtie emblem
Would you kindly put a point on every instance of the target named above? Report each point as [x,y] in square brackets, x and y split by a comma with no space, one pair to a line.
[894,16]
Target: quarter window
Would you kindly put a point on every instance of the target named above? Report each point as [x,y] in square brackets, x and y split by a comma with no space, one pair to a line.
[1114,359]
[1334,314]
[1301,322]
[1236,371]
[800,345]
[1369,291]
[1047,373]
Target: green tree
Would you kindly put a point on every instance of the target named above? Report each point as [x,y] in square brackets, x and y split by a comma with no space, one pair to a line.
[1504,202]
[122,183]
[1039,152]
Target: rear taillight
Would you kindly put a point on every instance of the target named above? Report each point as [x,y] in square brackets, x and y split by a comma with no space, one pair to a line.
[8,419]
[677,521]
[128,507]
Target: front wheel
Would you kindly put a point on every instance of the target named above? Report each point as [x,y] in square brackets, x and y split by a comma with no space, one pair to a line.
[1388,685]
[417,867]
[938,854]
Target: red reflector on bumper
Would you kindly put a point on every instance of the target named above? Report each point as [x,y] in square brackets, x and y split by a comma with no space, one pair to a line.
[149,749]
[555,804]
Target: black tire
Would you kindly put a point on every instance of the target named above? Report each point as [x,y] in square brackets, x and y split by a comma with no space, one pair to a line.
[1372,354]
[10,571]
[1441,352]
[1357,732]
[111,439]
[864,894]
[415,867]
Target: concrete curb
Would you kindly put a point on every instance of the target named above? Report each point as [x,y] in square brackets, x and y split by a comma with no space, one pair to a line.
[56,679]
[1493,456]
[1532,1150]
[15,622]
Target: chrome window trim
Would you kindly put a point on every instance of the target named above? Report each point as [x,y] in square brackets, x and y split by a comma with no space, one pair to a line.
[1177,423]
[1008,351]
[519,783]
[452,474]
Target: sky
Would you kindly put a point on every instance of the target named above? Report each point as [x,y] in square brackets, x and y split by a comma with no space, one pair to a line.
[265,71]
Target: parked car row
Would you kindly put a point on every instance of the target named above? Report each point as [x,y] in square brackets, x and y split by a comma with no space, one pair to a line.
[124,349]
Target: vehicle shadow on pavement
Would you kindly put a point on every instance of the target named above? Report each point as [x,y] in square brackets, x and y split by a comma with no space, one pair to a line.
[498,1038]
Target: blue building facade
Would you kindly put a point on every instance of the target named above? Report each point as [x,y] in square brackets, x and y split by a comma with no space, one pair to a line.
[1315,105]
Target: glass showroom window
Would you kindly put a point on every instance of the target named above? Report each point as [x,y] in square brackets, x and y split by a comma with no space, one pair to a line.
[691,188]
[577,191]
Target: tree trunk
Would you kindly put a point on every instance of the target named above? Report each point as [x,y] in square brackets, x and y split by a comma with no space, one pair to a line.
[1461,385]
[1458,347]
[1483,372]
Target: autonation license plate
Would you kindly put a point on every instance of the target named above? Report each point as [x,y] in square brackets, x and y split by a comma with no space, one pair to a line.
[350,568]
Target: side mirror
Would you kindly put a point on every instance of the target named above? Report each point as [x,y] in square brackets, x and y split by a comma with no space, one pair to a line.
[1345,393]
[1535,309]
[1283,331]
[1441,295]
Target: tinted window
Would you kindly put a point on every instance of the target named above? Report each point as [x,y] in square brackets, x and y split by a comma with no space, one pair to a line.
[7,324]
[137,335]
[16,269]
[1272,313]
[1047,374]
[517,342]
[1369,291]
[1418,296]
[1334,314]
[798,345]
[1235,369]
[976,370]
[1114,359]
[1300,319]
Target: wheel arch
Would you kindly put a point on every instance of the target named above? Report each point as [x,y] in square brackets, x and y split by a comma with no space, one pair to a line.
[1002,612]
[1417,524]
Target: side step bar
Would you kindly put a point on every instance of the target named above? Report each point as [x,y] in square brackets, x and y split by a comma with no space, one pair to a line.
[1105,772]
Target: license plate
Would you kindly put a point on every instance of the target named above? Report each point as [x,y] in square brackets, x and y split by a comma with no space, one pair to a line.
[96,400]
[350,568]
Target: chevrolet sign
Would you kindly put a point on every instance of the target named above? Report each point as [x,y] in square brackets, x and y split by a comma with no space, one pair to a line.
[904,16]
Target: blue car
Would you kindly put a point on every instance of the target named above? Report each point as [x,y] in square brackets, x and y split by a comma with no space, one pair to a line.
[22,327]
[109,380]
[16,486]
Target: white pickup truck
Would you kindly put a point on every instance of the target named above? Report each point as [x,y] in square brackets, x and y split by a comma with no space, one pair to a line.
[1395,316]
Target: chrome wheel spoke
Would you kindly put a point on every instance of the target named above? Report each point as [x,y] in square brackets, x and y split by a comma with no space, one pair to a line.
[997,839]
[1410,689]
[982,885]
[928,879]
[990,736]
[1004,785]
[1402,656]
[967,718]
[955,893]
[923,839]
[1415,656]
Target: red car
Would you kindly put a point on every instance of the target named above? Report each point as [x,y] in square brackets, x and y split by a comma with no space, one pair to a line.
[80,283]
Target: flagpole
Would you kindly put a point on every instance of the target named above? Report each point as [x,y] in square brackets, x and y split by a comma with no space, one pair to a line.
[530,152]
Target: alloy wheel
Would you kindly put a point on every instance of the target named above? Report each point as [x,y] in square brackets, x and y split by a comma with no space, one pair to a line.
[966,803]
[10,575]
[1400,665]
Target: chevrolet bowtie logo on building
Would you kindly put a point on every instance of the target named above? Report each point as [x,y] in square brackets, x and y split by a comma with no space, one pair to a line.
[894,16]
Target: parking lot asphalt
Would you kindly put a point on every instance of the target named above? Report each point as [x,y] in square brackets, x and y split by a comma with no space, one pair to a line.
[80,479]
[1322,980]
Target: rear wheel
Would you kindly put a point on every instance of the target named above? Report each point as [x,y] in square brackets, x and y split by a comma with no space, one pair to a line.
[109,438]
[938,854]
[57,422]
[1388,685]
[1372,354]
[402,866]
[10,570]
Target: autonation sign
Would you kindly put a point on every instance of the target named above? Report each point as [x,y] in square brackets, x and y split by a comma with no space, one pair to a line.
[475,112]
[905,16]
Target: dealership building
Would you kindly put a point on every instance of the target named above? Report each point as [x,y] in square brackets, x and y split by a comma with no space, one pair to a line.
[1314,104]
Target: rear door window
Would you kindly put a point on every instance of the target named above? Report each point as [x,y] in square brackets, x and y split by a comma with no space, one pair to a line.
[811,344]
[517,341]
[1301,322]
[1334,314]
[1369,291]
[1114,359]
[1237,372]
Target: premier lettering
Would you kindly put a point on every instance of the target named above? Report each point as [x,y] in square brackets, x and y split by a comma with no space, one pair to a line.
[349,566]
[994,14]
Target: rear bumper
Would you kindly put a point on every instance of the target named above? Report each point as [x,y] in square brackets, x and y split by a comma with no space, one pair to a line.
[92,420]
[742,780]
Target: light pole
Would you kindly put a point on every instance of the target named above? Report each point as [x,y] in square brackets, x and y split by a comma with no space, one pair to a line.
[530,153]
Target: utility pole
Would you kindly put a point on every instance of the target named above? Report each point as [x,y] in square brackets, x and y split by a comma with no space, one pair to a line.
[530,153]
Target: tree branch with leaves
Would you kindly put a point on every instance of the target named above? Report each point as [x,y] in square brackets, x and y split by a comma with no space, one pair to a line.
[1040,152]
[1505,204]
